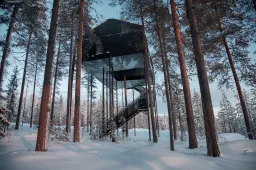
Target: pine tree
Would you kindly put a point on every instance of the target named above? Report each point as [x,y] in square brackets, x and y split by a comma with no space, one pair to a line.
[6,43]
[198,114]
[12,94]
[226,31]
[250,100]
[181,114]
[31,20]
[68,28]
[226,115]
[232,66]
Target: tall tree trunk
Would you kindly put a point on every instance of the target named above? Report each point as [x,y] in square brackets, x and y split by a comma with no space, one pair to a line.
[24,106]
[69,79]
[186,89]
[111,96]
[103,102]
[107,85]
[156,114]
[134,119]
[33,98]
[126,112]
[123,115]
[78,74]
[238,86]
[91,107]
[116,107]
[42,135]
[167,90]
[174,124]
[71,92]
[7,43]
[148,78]
[23,83]
[149,131]
[55,82]
[88,103]
[212,144]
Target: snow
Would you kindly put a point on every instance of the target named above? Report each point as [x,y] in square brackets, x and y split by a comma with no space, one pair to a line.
[225,137]
[132,154]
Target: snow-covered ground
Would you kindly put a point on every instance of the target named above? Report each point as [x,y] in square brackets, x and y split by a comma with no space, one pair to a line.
[136,153]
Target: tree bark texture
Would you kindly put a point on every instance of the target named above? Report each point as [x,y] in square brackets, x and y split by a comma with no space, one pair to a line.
[174,124]
[88,102]
[212,144]
[91,107]
[125,100]
[156,114]
[78,74]
[71,90]
[69,80]
[42,135]
[185,82]
[148,78]
[103,103]
[167,90]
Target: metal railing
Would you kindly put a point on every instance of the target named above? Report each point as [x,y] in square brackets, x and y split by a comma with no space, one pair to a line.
[133,108]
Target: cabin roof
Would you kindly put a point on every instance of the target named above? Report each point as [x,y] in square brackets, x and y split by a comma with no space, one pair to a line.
[123,43]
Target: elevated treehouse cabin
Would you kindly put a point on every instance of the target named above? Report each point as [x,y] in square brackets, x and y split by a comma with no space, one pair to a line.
[115,58]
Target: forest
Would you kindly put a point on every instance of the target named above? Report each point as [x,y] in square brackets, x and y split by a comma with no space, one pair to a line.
[60,81]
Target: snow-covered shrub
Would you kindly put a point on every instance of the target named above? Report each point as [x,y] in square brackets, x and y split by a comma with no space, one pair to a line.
[95,134]
[53,132]
[4,123]
[63,135]
[59,133]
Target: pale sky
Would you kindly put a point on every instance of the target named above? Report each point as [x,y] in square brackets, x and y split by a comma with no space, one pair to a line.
[109,12]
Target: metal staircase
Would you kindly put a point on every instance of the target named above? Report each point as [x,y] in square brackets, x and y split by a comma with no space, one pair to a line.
[132,109]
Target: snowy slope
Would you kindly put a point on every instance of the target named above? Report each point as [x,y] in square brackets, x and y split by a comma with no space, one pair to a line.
[136,153]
